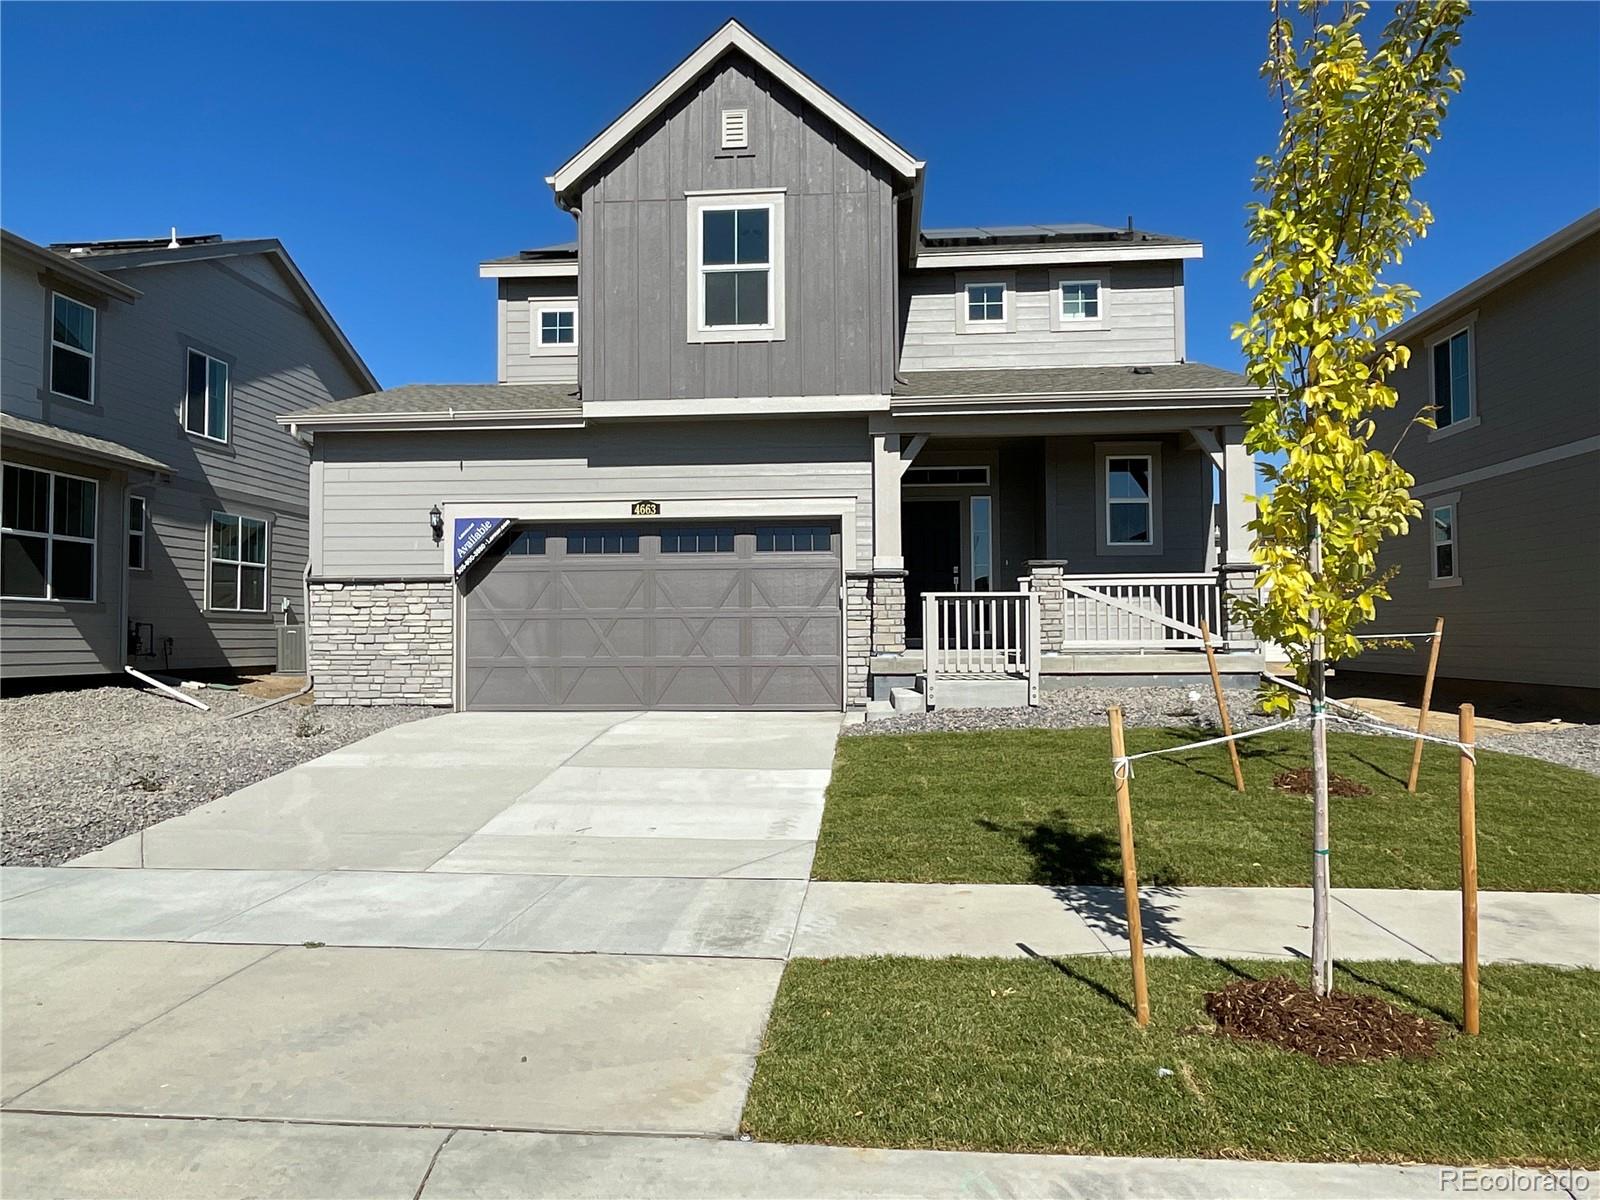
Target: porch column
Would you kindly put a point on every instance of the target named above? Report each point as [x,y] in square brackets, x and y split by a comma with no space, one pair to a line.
[1236,573]
[892,453]
[1044,581]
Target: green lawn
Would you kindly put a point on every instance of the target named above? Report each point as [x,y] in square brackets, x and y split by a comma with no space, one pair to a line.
[1042,1056]
[1035,806]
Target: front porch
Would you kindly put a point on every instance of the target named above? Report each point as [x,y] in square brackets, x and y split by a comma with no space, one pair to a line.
[1010,563]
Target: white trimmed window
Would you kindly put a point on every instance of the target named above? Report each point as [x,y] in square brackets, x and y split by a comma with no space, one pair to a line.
[238,574]
[986,303]
[736,267]
[1454,402]
[47,535]
[558,327]
[207,396]
[138,524]
[1080,299]
[1130,500]
[72,339]
[1446,563]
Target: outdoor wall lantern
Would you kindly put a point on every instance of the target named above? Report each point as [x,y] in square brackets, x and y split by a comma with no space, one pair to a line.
[436,523]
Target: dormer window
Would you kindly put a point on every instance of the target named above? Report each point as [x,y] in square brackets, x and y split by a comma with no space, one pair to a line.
[1080,299]
[736,267]
[558,326]
[986,302]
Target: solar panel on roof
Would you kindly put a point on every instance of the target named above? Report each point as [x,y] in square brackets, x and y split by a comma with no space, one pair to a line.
[1078,227]
[963,231]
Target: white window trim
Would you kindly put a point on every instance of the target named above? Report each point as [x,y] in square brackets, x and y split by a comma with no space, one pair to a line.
[1469,326]
[93,356]
[142,533]
[265,564]
[1104,453]
[772,199]
[1059,322]
[1007,321]
[227,410]
[52,537]
[1452,501]
[536,311]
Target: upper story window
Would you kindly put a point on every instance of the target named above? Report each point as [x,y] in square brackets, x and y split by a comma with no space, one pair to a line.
[986,302]
[206,399]
[1129,500]
[47,535]
[72,338]
[558,326]
[736,268]
[1080,299]
[1453,399]
[238,563]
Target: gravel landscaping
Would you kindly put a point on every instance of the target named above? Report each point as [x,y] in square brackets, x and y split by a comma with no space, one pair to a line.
[87,766]
[1575,746]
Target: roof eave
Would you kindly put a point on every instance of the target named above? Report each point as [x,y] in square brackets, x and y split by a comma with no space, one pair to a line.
[528,270]
[67,269]
[1042,255]
[458,419]
[997,402]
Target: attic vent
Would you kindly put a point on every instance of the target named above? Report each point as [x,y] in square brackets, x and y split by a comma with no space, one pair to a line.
[735,128]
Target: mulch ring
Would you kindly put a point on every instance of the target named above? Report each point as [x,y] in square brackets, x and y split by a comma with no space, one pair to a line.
[1300,782]
[1344,1027]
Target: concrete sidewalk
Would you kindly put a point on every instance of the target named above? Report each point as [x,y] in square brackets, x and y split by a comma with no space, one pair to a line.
[934,920]
[60,1157]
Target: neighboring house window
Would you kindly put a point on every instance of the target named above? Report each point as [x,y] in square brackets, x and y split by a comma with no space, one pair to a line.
[1080,299]
[986,302]
[1128,500]
[72,333]
[736,267]
[137,524]
[603,541]
[205,406]
[47,535]
[238,563]
[1452,380]
[790,538]
[1442,522]
[558,326]
[708,540]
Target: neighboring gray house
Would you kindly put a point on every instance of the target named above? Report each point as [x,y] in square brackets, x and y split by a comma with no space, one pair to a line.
[755,421]
[155,512]
[1507,550]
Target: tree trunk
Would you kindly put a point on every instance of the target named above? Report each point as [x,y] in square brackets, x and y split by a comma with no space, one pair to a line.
[1321,954]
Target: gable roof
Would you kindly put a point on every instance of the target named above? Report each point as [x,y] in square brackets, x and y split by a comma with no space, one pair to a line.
[732,36]
[62,267]
[156,252]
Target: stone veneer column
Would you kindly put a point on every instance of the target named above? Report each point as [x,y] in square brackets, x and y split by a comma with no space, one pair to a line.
[1044,581]
[383,643]
[1237,579]
[857,636]
[888,612]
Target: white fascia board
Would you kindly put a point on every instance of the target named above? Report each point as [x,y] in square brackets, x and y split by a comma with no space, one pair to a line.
[529,270]
[733,406]
[566,418]
[731,36]
[1041,256]
[1230,400]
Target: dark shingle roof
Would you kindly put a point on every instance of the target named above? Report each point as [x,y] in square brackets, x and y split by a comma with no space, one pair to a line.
[1068,381]
[969,237]
[425,398]
[74,445]
[553,253]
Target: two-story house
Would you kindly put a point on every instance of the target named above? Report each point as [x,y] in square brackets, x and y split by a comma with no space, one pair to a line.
[155,512]
[1509,479]
[755,426]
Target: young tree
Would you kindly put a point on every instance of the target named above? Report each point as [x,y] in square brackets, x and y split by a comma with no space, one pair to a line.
[1337,209]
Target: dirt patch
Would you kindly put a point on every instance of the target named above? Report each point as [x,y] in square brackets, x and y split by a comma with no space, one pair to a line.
[270,687]
[1300,782]
[1344,1027]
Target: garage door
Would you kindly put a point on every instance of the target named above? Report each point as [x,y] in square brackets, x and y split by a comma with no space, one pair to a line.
[648,616]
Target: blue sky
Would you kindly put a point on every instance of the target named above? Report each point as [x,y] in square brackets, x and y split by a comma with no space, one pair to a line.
[391,147]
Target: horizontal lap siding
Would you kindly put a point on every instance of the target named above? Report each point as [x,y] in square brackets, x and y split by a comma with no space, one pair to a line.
[839,228]
[377,489]
[24,336]
[1528,606]
[518,298]
[1140,325]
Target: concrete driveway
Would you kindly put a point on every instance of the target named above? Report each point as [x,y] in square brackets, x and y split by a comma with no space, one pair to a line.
[479,921]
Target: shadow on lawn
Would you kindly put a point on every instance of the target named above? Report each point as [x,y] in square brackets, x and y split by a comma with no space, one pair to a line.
[1061,853]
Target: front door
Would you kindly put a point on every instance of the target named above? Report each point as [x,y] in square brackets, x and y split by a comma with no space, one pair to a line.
[931,537]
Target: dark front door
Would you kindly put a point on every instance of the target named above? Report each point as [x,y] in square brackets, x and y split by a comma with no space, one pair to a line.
[930,535]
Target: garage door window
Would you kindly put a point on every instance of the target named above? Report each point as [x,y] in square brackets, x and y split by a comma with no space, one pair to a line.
[704,540]
[781,539]
[529,541]
[603,541]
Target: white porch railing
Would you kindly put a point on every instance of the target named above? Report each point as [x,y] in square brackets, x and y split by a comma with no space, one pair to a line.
[980,635]
[1141,612]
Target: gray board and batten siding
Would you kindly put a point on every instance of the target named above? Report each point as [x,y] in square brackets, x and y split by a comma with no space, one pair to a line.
[840,230]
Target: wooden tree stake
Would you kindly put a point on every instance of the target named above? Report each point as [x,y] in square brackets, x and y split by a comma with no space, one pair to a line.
[1427,699]
[1222,705]
[1469,873]
[1130,873]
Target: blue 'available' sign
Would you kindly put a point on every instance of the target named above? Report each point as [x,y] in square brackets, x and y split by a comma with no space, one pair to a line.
[474,536]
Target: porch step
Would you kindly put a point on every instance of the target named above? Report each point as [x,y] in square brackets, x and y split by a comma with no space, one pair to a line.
[907,700]
[980,693]
[878,710]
